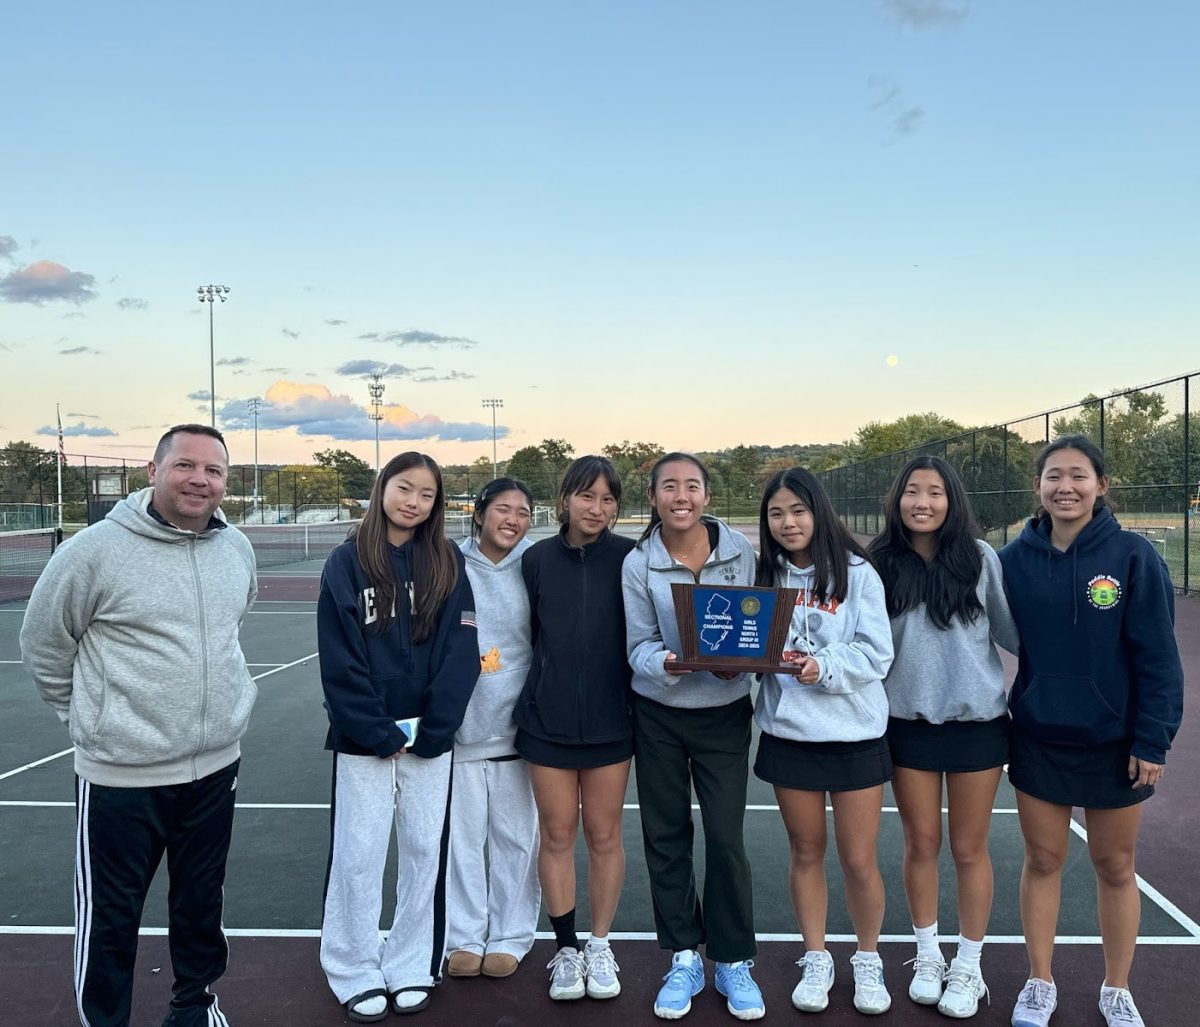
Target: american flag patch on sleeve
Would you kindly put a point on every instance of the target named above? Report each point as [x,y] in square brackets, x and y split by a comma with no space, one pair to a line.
[468,619]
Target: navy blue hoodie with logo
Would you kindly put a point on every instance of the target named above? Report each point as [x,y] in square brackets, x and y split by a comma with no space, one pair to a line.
[1098,660]
[373,678]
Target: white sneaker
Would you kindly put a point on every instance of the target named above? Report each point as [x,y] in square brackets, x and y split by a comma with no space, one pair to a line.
[600,968]
[811,995]
[870,994]
[928,976]
[1117,1006]
[964,988]
[1036,1004]
[566,974]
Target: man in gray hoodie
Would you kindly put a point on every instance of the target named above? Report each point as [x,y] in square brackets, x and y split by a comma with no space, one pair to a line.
[131,636]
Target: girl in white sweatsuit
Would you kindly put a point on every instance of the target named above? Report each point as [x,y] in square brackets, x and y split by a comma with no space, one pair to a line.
[493,910]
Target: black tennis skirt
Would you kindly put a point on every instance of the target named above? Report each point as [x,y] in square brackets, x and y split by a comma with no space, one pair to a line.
[588,756]
[823,766]
[956,747]
[1092,777]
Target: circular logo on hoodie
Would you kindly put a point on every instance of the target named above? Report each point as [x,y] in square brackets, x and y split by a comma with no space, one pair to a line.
[1104,591]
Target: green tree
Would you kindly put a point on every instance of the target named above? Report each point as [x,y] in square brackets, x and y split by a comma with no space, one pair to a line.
[878,438]
[528,464]
[357,475]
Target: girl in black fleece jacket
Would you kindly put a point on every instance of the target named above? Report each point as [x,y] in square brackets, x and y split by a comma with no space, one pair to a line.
[1097,700]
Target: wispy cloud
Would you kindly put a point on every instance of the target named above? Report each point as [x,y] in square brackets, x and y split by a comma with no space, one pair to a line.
[8,246]
[926,14]
[313,409]
[290,334]
[335,321]
[76,429]
[133,303]
[44,281]
[234,362]
[76,351]
[90,417]
[418,337]
[276,370]
[73,313]
[901,115]
[445,376]
[366,368]
[200,396]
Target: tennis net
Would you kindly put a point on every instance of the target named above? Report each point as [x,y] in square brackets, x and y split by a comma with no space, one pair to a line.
[279,544]
[23,555]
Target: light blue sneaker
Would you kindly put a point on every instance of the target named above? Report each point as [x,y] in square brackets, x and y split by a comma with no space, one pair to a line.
[742,997]
[684,980]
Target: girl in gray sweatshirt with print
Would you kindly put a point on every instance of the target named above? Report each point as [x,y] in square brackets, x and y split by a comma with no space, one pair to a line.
[949,712]
[823,725]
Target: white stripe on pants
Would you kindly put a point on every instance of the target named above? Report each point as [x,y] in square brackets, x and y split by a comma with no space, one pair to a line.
[493,909]
[370,794]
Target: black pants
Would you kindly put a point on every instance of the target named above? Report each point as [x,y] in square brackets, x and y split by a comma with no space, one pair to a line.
[122,834]
[675,749]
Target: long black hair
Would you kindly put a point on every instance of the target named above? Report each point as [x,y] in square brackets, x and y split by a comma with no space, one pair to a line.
[487,495]
[658,466]
[948,584]
[1089,449]
[831,545]
[434,562]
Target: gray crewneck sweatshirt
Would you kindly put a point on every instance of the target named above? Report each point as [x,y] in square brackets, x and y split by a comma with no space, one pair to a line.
[852,644]
[505,652]
[954,674]
[650,627]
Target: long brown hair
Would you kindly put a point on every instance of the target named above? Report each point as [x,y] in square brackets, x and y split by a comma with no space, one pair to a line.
[434,564]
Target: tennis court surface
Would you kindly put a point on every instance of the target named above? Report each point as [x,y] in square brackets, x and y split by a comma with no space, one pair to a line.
[277,866]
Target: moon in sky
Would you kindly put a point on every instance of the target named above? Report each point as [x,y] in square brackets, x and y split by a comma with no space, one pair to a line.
[893,360]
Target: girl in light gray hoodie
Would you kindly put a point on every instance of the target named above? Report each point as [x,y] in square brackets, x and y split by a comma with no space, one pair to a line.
[823,725]
[492,909]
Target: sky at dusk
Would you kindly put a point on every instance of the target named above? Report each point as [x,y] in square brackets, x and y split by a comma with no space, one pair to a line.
[693,223]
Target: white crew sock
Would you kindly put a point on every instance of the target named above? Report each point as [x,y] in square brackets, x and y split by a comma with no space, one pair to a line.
[927,941]
[969,952]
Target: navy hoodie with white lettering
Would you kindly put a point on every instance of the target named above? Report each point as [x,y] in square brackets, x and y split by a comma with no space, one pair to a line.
[1098,660]
[373,678]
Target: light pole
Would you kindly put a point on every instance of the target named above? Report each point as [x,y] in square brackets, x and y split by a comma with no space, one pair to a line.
[208,294]
[252,405]
[376,390]
[493,405]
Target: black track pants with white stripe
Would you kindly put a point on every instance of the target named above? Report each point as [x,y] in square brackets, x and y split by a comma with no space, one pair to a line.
[122,834]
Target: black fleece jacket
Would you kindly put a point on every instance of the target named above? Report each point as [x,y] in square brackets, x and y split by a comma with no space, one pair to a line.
[577,690]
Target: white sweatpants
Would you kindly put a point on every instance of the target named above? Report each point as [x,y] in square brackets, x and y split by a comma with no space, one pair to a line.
[369,795]
[493,908]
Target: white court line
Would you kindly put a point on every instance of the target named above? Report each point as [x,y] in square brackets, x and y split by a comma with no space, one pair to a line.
[36,763]
[894,939]
[281,613]
[1152,893]
[264,664]
[325,806]
[17,662]
[256,677]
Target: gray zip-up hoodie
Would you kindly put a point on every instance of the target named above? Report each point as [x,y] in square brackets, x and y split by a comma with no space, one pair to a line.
[505,652]
[650,627]
[131,636]
[954,674]
[852,643]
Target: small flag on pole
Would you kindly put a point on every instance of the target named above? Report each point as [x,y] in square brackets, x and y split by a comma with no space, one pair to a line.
[62,453]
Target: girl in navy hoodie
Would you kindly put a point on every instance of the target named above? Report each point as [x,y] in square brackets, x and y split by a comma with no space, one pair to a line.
[397,637]
[1096,703]
[572,718]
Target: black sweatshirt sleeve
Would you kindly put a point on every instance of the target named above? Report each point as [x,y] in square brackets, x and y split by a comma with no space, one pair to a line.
[453,669]
[356,710]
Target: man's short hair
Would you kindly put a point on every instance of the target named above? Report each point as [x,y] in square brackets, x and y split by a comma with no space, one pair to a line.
[164,444]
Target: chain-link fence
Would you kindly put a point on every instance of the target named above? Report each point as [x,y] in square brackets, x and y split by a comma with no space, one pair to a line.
[1151,442]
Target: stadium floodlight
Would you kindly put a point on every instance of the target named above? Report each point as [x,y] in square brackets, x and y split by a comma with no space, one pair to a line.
[210,294]
[493,404]
[375,388]
[252,405]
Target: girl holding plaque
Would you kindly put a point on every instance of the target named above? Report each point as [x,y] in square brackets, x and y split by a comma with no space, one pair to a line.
[492,905]
[691,729]
[948,712]
[573,726]
[399,660]
[823,726]
[1095,706]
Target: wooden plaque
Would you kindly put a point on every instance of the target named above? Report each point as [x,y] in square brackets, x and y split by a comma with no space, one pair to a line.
[732,628]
